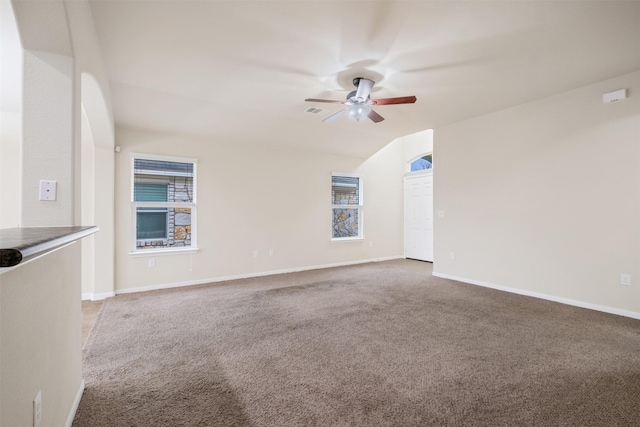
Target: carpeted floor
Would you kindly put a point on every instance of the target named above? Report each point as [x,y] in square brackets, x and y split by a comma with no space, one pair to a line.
[382,344]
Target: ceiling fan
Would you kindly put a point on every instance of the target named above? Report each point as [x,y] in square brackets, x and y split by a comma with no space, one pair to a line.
[358,102]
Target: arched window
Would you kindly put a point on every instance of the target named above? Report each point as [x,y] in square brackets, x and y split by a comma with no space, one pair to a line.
[422,163]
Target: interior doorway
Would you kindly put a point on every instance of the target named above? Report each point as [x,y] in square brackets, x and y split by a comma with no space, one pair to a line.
[418,215]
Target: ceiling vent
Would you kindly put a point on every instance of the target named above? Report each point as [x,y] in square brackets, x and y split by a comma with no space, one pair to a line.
[314,110]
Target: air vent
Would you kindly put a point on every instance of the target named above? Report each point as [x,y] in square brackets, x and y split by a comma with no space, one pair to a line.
[313,110]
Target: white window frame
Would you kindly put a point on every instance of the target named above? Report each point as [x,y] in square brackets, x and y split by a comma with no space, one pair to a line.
[191,205]
[359,207]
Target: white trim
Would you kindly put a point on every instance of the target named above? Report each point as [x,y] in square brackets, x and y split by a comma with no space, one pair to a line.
[426,153]
[103,295]
[163,205]
[76,403]
[164,158]
[89,296]
[567,301]
[349,175]
[346,239]
[418,173]
[153,252]
[249,276]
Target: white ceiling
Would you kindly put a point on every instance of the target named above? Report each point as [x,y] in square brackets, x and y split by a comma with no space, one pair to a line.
[239,71]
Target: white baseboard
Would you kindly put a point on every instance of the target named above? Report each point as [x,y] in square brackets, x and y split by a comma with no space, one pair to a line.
[561,300]
[103,295]
[76,403]
[248,276]
[97,297]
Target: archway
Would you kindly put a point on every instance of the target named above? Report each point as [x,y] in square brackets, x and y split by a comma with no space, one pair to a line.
[97,191]
[10,118]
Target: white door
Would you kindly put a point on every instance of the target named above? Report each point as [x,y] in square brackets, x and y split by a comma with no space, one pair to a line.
[418,217]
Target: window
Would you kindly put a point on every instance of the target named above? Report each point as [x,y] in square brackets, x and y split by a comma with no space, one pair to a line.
[422,163]
[163,202]
[346,206]
[151,223]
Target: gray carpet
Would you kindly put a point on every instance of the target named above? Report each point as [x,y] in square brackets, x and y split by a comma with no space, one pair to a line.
[382,344]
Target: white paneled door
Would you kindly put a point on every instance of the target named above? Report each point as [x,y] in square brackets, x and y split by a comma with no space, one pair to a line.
[418,217]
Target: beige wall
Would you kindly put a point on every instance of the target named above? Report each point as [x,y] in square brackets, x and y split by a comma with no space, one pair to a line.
[47,138]
[545,197]
[9,169]
[416,145]
[256,197]
[40,339]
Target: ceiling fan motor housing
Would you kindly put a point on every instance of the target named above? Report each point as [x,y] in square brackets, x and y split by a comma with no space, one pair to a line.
[364,89]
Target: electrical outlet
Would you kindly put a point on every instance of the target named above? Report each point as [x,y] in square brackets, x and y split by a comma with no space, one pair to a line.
[37,410]
[272,252]
[256,253]
[452,255]
[625,279]
[370,244]
[152,262]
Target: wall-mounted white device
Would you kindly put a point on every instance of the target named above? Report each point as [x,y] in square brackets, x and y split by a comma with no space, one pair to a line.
[614,96]
[47,190]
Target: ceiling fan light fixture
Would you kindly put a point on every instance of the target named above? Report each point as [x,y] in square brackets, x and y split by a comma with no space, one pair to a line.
[357,105]
[358,111]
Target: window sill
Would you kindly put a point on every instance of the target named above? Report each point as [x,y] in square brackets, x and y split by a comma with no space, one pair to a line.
[347,239]
[154,252]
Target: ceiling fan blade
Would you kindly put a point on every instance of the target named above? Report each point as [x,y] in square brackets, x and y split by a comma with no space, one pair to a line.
[335,115]
[375,117]
[324,100]
[398,100]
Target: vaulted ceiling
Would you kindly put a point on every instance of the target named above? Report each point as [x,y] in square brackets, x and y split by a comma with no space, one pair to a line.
[239,71]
